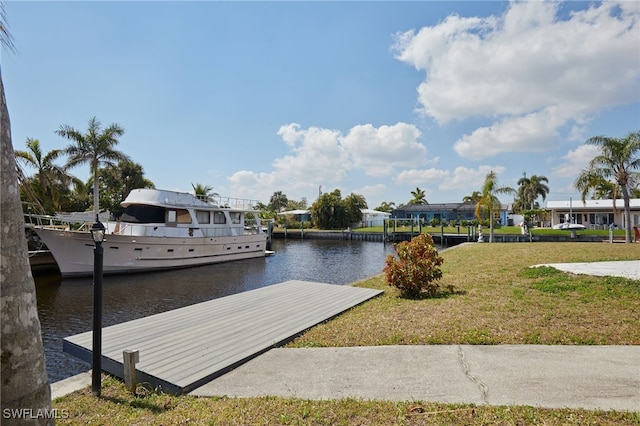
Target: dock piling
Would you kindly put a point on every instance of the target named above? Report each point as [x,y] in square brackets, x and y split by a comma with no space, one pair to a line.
[130,358]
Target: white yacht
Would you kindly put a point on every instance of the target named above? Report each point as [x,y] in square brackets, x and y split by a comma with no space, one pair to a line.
[159,230]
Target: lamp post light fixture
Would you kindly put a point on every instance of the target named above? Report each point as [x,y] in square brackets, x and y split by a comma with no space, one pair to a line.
[97,233]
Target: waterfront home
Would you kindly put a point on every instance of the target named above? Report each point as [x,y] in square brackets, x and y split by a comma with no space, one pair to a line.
[446,212]
[594,214]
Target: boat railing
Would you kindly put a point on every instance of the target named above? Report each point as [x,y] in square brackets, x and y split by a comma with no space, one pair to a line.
[235,203]
[45,221]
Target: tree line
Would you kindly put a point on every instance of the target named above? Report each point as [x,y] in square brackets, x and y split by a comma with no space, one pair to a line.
[611,174]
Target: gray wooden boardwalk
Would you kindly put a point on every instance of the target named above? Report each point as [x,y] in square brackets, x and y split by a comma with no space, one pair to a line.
[185,348]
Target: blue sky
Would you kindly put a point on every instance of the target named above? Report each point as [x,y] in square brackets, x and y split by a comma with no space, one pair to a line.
[375,98]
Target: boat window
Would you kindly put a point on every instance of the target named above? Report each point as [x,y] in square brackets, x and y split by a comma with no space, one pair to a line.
[184,216]
[218,217]
[235,217]
[136,213]
[203,216]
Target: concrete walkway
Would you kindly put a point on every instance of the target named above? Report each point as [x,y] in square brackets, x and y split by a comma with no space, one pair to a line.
[623,268]
[591,377]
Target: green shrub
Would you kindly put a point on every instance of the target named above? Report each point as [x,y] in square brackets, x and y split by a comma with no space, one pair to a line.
[416,269]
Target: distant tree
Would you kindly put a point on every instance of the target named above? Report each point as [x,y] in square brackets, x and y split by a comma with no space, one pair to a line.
[489,201]
[278,201]
[386,207]
[204,192]
[529,189]
[419,197]
[25,385]
[116,182]
[618,162]
[473,198]
[328,211]
[297,205]
[50,181]
[353,205]
[78,199]
[95,147]
[596,187]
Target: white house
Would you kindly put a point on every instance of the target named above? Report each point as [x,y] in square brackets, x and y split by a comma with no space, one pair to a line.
[373,217]
[594,214]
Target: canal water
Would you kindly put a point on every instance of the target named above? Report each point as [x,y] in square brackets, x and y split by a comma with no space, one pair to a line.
[65,306]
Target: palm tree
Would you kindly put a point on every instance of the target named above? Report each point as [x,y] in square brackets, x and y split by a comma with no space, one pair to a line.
[473,198]
[489,200]
[95,147]
[386,207]
[49,176]
[25,385]
[529,189]
[617,163]
[278,201]
[418,197]
[204,192]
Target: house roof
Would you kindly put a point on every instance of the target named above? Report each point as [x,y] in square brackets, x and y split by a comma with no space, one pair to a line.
[374,212]
[442,207]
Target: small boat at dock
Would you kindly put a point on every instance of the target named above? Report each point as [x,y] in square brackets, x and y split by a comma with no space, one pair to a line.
[158,230]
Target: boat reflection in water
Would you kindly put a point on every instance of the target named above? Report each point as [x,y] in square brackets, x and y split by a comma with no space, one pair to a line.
[65,305]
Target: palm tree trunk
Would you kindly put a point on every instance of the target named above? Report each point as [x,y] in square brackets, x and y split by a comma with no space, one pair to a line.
[25,387]
[491,225]
[96,196]
[627,213]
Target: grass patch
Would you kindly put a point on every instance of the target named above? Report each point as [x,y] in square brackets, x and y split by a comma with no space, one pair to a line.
[499,299]
[118,407]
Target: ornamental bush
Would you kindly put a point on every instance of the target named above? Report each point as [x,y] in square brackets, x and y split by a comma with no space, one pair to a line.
[416,269]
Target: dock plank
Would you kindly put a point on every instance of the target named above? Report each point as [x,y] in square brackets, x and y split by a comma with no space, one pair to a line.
[185,348]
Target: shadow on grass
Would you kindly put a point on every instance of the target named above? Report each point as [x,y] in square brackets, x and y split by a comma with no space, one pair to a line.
[449,292]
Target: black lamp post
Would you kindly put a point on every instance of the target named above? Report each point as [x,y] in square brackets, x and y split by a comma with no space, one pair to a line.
[97,233]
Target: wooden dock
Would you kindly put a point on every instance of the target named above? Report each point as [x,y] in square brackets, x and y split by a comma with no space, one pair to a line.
[185,348]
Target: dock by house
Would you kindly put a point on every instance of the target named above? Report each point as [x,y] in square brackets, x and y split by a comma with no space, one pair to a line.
[183,349]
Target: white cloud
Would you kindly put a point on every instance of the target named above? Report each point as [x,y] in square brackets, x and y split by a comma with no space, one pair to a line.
[321,156]
[535,132]
[316,155]
[575,161]
[526,67]
[371,192]
[378,151]
[465,177]
[421,176]
[445,180]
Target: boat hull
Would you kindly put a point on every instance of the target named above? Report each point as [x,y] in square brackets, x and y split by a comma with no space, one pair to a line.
[73,251]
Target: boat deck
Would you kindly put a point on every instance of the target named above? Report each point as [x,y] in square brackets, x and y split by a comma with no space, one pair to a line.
[185,348]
